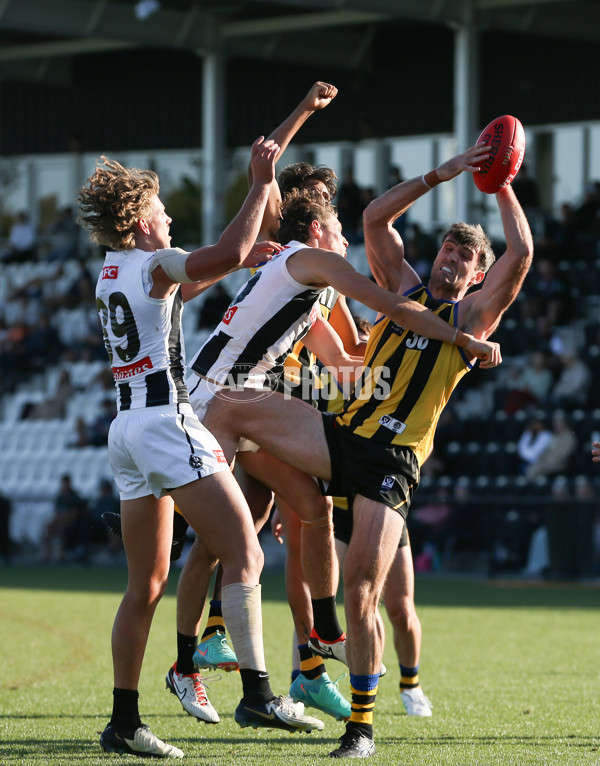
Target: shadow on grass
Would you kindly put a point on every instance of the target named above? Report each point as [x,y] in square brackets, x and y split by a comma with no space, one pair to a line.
[429,590]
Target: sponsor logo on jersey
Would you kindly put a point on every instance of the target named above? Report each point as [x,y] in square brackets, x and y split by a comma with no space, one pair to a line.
[396,329]
[131,370]
[314,313]
[229,314]
[110,272]
[220,456]
[196,462]
[387,421]
[387,483]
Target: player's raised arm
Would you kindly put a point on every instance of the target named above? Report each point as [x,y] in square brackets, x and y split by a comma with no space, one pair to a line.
[505,278]
[384,246]
[320,95]
[235,243]
[323,267]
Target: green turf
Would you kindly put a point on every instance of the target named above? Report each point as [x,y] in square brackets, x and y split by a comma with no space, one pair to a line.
[513,673]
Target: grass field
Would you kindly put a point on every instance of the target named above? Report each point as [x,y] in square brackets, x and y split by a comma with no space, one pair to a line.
[513,673]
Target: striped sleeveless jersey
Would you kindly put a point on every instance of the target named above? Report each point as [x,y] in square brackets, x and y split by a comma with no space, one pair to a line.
[407,382]
[270,312]
[142,335]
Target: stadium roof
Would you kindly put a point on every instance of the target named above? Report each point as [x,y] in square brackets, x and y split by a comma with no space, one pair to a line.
[35,32]
[394,48]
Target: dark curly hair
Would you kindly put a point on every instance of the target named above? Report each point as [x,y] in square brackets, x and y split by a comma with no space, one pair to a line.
[296,176]
[298,211]
[112,202]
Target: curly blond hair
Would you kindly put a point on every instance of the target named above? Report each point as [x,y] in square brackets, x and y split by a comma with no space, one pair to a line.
[114,199]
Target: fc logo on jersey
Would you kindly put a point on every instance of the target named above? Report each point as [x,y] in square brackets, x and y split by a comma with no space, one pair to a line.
[110,272]
[196,462]
[229,314]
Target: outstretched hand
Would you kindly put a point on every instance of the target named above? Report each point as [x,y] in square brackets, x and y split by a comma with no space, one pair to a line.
[487,351]
[319,96]
[262,160]
[470,160]
[261,252]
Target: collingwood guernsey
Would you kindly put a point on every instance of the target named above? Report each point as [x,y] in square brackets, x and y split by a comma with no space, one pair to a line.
[269,314]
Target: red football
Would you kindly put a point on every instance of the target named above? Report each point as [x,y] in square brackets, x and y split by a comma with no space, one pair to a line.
[506,137]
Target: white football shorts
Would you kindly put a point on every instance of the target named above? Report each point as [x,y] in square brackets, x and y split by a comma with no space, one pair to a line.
[155,449]
[202,392]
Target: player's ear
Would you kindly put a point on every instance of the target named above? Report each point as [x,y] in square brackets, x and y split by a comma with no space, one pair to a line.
[315,228]
[143,225]
[478,278]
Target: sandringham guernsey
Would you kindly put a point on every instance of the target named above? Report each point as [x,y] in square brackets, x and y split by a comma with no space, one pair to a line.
[407,382]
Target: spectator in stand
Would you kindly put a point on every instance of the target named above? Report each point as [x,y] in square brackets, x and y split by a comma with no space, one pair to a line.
[62,237]
[550,341]
[534,440]
[571,388]
[21,241]
[586,214]
[350,206]
[561,236]
[550,293]
[56,405]
[16,363]
[105,502]
[555,458]
[70,510]
[419,247]
[79,291]
[529,384]
[43,343]
[96,433]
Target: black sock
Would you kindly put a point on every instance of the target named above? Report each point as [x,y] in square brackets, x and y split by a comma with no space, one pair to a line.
[186,646]
[125,714]
[256,686]
[363,728]
[325,618]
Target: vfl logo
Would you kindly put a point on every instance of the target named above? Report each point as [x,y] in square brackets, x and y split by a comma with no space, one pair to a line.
[110,272]
[229,314]
[387,483]
[196,462]
[387,421]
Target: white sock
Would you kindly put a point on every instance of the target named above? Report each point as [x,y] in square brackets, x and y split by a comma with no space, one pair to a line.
[242,611]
